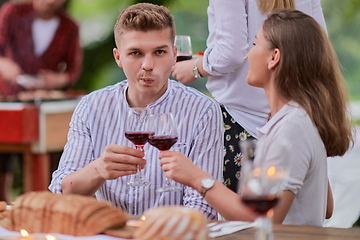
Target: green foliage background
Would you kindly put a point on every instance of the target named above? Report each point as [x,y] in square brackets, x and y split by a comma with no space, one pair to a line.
[342,18]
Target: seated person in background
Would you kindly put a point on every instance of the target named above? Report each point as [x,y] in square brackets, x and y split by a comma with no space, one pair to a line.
[294,62]
[37,38]
[98,159]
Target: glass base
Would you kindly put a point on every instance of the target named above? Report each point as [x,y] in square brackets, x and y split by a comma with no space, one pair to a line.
[169,188]
[138,183]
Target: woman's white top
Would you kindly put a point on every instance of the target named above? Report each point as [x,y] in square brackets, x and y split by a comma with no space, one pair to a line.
[307,162]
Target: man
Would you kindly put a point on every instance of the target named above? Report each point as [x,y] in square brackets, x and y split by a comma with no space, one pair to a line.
[36,38]
[99,160]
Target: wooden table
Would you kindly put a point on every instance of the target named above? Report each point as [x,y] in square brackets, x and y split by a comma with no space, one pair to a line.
[35,130]
[292,232]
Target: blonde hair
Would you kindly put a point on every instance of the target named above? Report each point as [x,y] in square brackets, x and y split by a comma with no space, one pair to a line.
[144,17]
[309,73]
[267,6]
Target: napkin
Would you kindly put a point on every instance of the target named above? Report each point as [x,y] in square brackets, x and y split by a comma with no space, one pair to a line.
[218,229]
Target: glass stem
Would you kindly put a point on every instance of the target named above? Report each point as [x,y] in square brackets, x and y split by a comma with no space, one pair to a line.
[139,175]
[264,228]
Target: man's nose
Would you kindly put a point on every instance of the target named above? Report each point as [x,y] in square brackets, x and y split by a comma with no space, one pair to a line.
[148,63]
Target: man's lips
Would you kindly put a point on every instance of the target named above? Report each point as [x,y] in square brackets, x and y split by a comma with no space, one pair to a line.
[147,80]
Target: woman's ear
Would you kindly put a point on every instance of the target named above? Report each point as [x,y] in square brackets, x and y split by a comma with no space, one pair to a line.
[117,57]
[276,56]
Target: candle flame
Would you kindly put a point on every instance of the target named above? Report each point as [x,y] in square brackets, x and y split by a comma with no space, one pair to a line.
[270,213]
[24,233]
[143,218]
[50,237]
[257,172]
[271,171]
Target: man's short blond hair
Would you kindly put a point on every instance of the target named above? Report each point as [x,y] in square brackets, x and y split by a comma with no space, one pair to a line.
[144,17]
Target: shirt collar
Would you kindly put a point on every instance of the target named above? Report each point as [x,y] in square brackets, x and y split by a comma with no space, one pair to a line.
[158,101]
[287,108]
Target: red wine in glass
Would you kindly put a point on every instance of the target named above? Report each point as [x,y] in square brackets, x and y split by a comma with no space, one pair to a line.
[138,137]
[183,58]
[163,142]
[165,136]
[260,204]
[136,131]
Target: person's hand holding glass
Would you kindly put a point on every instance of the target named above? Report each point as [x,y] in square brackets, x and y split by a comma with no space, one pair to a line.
[137,132]
[165,136]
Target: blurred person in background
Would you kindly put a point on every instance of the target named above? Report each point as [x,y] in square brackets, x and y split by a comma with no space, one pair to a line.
[38,39]
[232,26]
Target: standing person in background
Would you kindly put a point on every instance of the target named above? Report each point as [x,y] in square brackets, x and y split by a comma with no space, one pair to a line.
[294,62]
[233,25]
[40,39]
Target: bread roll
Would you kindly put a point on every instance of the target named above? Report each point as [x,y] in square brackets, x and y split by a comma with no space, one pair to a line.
[66,214]
[173,223]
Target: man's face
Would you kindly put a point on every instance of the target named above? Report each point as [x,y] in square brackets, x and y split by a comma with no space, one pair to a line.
[147,59]
[47,8]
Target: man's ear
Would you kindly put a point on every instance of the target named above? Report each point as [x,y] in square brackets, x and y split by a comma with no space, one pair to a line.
[175,49]
[276,56]
[117,57]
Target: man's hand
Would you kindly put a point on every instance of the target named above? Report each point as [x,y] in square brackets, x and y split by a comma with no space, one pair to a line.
[117,161]
[9,69]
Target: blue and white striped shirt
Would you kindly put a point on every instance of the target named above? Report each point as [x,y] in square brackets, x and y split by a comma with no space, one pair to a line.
[98,121]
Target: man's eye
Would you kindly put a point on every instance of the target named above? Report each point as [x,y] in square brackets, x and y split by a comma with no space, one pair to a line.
[160,52]
[134,53]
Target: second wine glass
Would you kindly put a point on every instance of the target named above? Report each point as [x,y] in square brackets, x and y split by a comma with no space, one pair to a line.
[137,132]
[165,136]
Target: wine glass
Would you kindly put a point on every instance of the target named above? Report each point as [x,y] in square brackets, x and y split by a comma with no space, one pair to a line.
[184,49]
[262,183]
[164,137]
[137,132]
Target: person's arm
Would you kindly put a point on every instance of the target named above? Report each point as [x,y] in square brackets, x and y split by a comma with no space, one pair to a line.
[116,161]
[179,168]
[228,37]
[317,14]
[74,57]
[8,68]
[183,71]
[228,31]
[85,164]
[69,70]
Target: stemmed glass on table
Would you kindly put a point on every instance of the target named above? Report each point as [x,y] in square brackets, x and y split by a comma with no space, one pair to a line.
[261,184]
[137,132]
[165,136]
[184,49]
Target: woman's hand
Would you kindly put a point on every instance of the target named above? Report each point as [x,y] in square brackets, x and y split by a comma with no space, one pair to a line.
[180,169]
